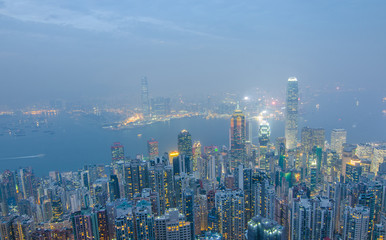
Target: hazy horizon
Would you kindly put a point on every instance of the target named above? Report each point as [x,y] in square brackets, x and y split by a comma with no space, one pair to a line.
[97,49]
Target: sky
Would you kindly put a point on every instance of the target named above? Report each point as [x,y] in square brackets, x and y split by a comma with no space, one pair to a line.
[81,49]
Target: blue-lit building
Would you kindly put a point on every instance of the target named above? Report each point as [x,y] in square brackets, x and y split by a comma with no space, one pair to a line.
[264,228]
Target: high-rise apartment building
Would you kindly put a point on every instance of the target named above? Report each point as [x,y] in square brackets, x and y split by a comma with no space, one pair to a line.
[230,212]
[312,218]
[172,226]
[136,177]
[291,121]
[356,223]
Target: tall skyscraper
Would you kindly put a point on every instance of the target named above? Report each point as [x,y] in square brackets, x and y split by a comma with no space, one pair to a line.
[312,137]
[378,158]
[185,143]
[117,152]
[114,192]
[145,97]
[291,123]
[152,148]
[196,154]
[237,137]
[338,138]
[356,223]
[230,212]
[264,133]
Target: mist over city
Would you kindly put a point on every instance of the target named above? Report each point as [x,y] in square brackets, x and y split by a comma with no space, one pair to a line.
[192,120]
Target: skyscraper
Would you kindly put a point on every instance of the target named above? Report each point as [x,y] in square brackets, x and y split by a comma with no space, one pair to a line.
[145,97]
[172,226]
[196,154]
[291,123]
[264,133]
[185,143]
[338,138]
[152,148]
[230,212]
[356,222]
[312,137]
[237,137]
[117,152]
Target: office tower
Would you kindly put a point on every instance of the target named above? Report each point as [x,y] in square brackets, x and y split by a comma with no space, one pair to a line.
[311,137]
[185,143]
[264,228]
[136,177]
[291,121]
[152,148]
[378,158]
[145,97]
[347,155]
[196,154]
[364,150]
[114,192]
[172,226]
[230,213]
[249,130]
[338,138]
[353,171]
[182,164]
[117,152]
[160,106]
[237,137]
[356,222]
[264,133]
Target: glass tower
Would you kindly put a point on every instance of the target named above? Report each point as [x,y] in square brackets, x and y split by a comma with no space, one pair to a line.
[145,97]
[237,138]
[291,122]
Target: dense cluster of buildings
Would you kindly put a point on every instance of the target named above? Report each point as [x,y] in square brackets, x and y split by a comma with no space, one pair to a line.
[291,188]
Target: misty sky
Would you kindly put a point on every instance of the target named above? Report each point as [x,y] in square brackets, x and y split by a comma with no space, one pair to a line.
[77,49]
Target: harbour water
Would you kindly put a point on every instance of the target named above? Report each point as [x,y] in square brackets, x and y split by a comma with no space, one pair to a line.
[70,144]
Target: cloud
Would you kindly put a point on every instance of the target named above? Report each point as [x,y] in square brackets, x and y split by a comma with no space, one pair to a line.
[90,19]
